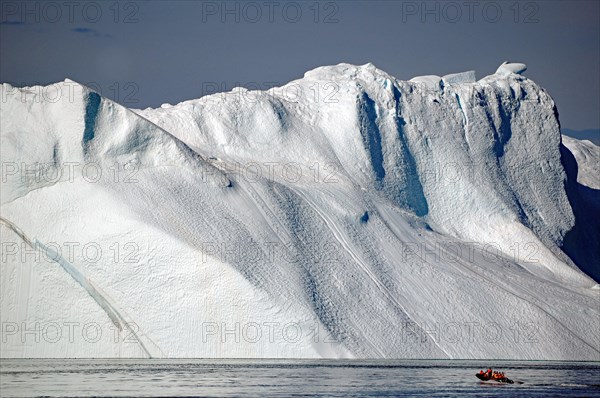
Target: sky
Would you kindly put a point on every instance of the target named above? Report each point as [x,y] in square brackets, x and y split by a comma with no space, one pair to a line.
[146,53]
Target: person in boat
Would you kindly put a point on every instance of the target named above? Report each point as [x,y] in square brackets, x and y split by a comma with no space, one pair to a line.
[493,375]
[498,375]
[488,374]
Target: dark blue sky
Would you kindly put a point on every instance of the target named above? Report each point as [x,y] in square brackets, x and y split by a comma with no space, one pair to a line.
[147,53]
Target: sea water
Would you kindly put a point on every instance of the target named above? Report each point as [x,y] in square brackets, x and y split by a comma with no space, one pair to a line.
[335,378]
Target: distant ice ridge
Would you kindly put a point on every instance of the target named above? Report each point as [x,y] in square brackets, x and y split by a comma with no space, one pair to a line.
[588,161]
[345,214]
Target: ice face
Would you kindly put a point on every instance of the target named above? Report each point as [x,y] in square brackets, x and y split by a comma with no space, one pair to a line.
[344,214]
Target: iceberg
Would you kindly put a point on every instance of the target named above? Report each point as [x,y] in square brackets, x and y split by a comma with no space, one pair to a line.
[346,214]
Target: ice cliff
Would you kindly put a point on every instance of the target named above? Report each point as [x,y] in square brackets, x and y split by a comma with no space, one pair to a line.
[344,214]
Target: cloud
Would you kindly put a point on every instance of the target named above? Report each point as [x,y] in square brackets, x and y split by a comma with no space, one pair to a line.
[89,32]
[9,22]
[86,31]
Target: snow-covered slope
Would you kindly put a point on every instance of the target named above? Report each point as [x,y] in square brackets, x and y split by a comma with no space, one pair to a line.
[581,159]
[345,214]
[587,155]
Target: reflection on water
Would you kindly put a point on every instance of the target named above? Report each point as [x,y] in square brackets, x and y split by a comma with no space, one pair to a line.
[343,378]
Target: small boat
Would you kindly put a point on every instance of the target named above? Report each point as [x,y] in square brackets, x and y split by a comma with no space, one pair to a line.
[484,377]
